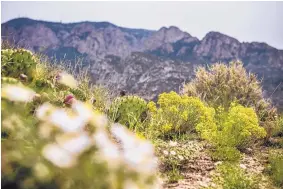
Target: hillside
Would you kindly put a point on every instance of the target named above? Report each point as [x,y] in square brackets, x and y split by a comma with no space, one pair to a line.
[144,61]
[58,131]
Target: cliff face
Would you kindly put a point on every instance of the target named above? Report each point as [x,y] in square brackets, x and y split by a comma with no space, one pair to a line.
[143,61]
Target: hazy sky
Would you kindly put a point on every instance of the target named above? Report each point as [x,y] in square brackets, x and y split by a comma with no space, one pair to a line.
[246,21]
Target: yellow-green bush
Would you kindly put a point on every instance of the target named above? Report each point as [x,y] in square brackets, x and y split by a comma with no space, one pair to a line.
[177,114]
[128,110]
[235,129]
[222,84]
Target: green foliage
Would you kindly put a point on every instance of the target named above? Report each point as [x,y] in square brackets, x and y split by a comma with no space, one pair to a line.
[222,84]
[18,61]
[235,129]
[177,114]
[275,168]
[279,127]
[233,177]
[226,153]
[128,110]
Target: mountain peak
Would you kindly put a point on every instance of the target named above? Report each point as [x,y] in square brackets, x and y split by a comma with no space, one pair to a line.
[170,29]
[217,35]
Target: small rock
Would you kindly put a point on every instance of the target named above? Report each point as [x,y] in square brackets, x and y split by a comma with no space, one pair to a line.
[173,153]
[243,166]
[218,163]
[122,93]
[173,143]
[23,77]
[203,184]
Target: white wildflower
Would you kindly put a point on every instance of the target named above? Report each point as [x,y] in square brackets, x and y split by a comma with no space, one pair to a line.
[173,153]
[43,110]
[108,149]
[75,143]
[61,119]
[99,120]
[58,156]
[121,133]
[138,154]
[17,93]
[68,80]
[83,111]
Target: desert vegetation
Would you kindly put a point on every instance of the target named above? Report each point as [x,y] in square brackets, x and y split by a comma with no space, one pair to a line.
[60,131]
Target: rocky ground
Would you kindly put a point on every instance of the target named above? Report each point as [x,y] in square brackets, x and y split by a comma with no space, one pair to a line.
[199,171]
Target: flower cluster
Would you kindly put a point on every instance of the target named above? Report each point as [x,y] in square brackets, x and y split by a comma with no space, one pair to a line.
[75,140]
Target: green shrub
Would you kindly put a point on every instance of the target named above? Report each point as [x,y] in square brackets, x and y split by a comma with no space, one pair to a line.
[18,61]
[226,153]
[222,84]
[128,110]
[233,177]
[279,127]
[177,114]
[235,129]
[275,168]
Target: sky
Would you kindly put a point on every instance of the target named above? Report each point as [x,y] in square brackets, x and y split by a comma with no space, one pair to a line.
[245,21]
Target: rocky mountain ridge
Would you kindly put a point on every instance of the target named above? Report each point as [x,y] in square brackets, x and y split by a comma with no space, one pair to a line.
[144,61]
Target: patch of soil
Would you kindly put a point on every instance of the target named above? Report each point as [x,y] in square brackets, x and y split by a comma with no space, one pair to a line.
[197,173]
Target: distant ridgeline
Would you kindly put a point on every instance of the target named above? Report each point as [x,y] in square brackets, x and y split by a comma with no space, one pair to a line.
[144,61]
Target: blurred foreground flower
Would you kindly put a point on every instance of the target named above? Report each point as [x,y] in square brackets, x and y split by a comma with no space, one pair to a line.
[70,146]
[62,119]
[17,93]
[137,153]
[74,143]
[108,150]
[58,156]
[67,79]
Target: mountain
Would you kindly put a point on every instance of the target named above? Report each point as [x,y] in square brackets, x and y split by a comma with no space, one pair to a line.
[143,61]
